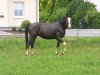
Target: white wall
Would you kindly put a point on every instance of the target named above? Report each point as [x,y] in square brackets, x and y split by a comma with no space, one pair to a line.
[3,11]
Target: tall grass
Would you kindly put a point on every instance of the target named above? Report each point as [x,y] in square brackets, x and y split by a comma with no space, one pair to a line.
[82,57]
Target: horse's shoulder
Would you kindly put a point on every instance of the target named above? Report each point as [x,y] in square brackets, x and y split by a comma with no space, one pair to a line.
[60,31]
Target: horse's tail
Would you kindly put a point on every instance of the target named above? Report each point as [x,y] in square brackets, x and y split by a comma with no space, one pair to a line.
[26,34]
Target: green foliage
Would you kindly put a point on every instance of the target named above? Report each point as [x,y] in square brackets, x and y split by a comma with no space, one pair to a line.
[48,13]
[93,19]
[73,6]
[44,16]
[58,14]
[60,4]
[45,5]
[25,23]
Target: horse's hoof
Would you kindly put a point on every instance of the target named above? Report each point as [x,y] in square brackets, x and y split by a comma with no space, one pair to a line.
[32,53]
[56,53]
[63,53]
[26,54]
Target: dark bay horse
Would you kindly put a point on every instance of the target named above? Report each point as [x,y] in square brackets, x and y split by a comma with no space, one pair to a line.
[47,31]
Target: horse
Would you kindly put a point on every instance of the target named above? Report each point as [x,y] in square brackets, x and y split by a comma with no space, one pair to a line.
[47,31]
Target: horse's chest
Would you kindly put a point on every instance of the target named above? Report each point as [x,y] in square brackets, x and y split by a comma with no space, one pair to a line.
[61,33]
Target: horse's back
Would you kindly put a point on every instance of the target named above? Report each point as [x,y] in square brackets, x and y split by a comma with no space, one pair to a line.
[47,31]
[32,25]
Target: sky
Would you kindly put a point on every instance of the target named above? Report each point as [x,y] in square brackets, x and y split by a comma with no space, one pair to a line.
[96,2]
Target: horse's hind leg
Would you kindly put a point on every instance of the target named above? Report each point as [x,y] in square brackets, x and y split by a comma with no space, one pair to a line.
[27,47]
[30,42]
[32,45]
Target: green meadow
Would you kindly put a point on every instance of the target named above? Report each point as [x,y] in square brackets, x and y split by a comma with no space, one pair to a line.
[82,57]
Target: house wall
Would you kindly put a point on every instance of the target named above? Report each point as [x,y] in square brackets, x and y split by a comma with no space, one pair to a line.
[3,12]
[31,12]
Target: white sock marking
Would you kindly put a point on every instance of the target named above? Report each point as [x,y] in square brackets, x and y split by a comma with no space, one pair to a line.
[64,43]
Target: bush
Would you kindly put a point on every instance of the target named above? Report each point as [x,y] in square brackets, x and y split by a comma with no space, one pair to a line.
[20,29]
[25,23]
[14,29]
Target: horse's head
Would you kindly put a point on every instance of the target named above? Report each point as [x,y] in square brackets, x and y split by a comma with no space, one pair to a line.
[66,22]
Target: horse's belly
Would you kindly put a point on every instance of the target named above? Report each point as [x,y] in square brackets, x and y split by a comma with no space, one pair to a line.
[47,36]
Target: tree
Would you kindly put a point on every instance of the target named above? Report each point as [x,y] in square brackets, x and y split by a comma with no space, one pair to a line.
[53,10]
[52,6]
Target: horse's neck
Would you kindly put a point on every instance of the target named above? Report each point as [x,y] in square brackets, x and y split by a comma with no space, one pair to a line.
[61,29]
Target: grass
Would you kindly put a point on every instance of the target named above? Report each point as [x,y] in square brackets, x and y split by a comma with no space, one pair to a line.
[82,57]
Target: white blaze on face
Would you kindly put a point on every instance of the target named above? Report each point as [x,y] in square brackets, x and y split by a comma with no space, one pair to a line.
[69,22]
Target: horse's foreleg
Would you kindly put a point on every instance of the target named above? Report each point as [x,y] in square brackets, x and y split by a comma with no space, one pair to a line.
[64,43]
[58,44]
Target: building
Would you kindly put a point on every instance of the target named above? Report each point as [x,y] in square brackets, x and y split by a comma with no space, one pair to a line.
[13,12]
